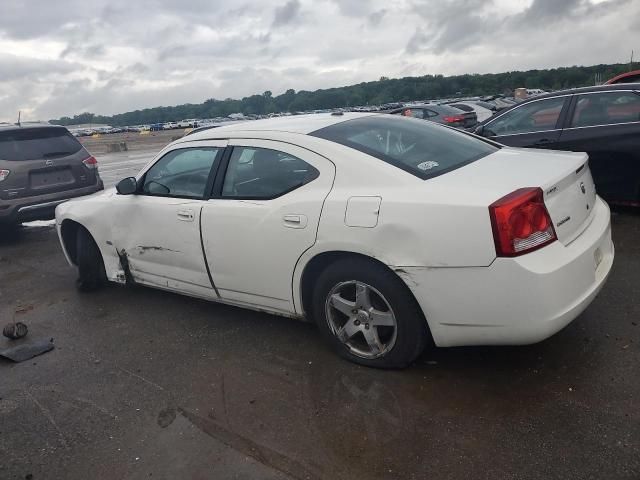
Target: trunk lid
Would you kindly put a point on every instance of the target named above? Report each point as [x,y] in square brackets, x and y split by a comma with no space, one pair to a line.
[565,178]
[42,160]
[570,201]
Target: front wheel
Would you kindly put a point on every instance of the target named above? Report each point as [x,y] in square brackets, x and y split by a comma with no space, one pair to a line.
[91,272]
[368,314]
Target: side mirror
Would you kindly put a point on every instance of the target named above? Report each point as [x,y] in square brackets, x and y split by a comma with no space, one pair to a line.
[127,186]
[479,130]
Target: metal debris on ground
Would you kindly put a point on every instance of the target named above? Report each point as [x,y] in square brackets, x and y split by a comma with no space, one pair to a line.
[25,351]
[15,330]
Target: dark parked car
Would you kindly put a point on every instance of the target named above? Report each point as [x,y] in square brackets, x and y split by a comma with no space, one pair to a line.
[444,114]
[42,166]
[488,105]
[603,121]
[627,77]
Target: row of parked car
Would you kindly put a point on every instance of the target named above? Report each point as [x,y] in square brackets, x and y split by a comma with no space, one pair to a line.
[461,113]
[464,113]
[603,121]
[154,127]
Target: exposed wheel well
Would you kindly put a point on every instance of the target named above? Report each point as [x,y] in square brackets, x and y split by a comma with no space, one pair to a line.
[69,233]
[318,263]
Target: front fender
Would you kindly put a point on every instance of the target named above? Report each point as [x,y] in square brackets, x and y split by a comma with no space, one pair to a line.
[95,214]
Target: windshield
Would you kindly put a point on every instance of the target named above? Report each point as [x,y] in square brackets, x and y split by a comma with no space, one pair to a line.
[37,143]
[422,148]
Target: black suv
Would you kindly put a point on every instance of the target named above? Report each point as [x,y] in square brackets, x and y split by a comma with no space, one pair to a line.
[603,121]
[42,166]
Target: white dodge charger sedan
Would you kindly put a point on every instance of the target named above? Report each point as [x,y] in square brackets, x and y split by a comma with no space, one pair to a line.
[390,233]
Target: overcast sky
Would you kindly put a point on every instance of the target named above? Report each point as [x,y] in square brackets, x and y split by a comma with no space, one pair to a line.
[62,57]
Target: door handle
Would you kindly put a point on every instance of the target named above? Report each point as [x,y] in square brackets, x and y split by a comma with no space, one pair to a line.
[186,215]
[542,141]
[295,221]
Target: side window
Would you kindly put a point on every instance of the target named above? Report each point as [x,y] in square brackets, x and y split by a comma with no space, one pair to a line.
[606,108]
[430,114]
[261,173]
[181,173]
[530,117]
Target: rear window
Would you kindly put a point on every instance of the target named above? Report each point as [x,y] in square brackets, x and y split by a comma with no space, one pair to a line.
[486,105]
[424,149]
[37,143]
[461,106]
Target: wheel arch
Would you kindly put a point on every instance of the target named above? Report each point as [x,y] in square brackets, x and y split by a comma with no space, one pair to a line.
[318,262]
[69,238]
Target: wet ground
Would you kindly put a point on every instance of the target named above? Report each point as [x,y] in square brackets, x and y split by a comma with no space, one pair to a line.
[146,384]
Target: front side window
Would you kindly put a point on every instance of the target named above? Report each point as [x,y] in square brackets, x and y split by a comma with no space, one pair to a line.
[424,149]
[606,108]
[262,173]
[531,117]
[181,173]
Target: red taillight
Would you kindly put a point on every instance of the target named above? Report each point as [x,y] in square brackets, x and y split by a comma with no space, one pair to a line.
[91,163]
[4,174]
[521,222]
[453,119]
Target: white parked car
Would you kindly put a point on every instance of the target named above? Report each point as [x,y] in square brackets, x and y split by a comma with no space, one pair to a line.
[169,126]
[389,232]
[187,123]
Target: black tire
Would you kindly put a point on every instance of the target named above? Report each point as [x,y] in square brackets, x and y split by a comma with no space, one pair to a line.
[91,272]
[412,331]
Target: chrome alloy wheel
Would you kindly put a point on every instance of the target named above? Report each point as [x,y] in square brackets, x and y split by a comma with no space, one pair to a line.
[361,318]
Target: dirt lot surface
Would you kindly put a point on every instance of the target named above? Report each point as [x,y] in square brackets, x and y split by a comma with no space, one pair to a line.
[135,141]
[146,384]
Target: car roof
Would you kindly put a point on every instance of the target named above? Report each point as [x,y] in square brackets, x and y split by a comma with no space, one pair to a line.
[622,78]
[303,124]
[12,126]
[436,107]
[597,88]
[570,91]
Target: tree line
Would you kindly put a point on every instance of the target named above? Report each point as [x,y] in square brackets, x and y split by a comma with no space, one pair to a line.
[379,92]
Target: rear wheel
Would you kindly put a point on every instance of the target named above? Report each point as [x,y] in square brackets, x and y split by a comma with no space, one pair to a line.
[368,314]
[91,272]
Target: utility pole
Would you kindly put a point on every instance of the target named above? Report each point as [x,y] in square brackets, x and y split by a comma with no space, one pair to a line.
[631,61]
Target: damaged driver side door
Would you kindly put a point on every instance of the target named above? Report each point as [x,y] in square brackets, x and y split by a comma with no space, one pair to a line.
[157,229]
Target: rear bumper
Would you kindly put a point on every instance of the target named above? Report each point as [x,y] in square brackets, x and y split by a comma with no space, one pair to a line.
[519,300]
[41,207]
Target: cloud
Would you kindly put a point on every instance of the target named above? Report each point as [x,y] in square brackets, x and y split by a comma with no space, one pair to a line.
[376,17]
[121,55]
[13,67]
[287,13]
